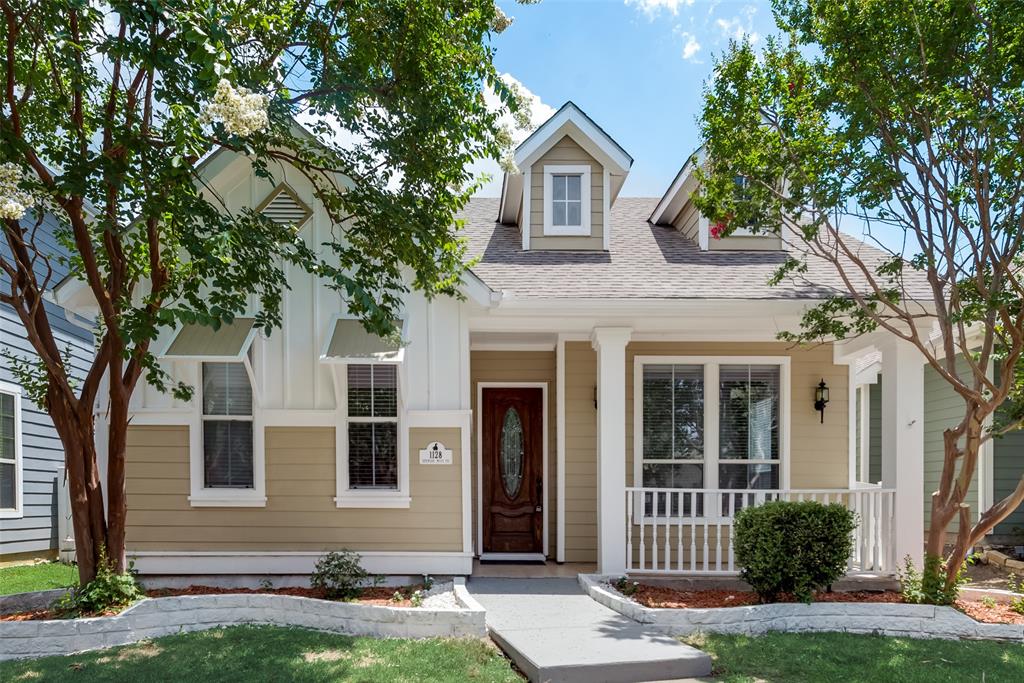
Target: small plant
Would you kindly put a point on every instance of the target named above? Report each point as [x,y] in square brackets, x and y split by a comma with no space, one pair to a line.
[929,587]
[626,587]
[428,582]
[988,601]
[793,547]
[1016,602]
[416,598]
[339,574]
[397,597]
[266,584]
[109,590]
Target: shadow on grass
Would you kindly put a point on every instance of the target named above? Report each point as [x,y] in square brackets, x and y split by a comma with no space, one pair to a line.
[817,657]
[266,653]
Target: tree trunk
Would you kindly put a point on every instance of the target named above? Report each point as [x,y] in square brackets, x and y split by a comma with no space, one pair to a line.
[117,510]
[87,511]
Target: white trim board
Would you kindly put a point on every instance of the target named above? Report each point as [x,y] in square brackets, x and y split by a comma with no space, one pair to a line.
[480,386]
[191,562]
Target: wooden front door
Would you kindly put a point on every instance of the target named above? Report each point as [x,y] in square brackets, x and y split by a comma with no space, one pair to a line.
[513,484]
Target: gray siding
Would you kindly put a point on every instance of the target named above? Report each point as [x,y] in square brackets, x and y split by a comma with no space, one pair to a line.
[35,531]
[875,433]
[1007,469]
[943,408]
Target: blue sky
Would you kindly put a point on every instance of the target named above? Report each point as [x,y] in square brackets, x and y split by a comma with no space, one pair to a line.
[637,67]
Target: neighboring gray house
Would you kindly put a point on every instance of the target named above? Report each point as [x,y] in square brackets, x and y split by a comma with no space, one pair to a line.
[31,456]
[999,469]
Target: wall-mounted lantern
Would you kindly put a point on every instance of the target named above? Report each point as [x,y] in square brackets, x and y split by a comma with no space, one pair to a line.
[821,399]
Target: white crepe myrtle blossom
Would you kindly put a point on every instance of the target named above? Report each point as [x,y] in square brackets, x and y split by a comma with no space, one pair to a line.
[14,201]
[240,111]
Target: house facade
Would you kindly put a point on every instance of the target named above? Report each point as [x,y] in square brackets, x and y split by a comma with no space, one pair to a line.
[31,455]
[610,390]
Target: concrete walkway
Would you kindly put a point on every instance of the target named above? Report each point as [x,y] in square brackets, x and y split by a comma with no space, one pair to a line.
[554,632]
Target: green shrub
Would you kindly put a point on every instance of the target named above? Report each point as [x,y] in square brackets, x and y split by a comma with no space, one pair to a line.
[339,574]
[929,587]
[108,591]
[796,548]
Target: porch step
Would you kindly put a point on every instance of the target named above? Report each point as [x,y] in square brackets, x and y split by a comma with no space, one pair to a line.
[555,633]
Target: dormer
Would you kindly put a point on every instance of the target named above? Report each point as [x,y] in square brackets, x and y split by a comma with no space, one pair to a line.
[570,173]
[676,210]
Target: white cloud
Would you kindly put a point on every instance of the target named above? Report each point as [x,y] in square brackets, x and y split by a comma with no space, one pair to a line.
[539,113]
[653,8]
[690,46]
[738,29]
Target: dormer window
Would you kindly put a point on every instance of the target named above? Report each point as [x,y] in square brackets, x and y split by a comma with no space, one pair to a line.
[743,194]
[567,211]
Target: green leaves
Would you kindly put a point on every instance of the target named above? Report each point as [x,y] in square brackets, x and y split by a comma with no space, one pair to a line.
[394,92]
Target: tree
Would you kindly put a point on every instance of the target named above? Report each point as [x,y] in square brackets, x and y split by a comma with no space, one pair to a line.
[107,107]
[901,116]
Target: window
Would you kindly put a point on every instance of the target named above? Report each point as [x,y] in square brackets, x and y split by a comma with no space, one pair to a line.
[748,426]
[708,424]
[373,427]
[10,451]
[743,195]
[567,205]
[567,200]
[227,419]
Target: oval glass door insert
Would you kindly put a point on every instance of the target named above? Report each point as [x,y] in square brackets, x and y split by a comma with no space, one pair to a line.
[511,452]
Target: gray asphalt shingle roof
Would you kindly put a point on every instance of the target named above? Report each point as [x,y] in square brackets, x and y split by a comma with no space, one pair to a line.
[644,262]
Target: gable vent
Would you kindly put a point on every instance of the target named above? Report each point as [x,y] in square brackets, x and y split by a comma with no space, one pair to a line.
[285,208]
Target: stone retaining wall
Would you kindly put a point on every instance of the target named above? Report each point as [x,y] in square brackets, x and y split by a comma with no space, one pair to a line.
[155,617]
[891,619]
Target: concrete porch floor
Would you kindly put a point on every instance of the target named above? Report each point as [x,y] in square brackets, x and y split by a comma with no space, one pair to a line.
[547,570]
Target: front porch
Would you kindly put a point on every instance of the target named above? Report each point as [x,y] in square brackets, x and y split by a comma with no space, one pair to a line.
[609,498]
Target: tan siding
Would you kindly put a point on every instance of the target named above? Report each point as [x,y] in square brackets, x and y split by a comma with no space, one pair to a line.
[518,366]
[566,151]
[300,513]
[580,453]
[818,452]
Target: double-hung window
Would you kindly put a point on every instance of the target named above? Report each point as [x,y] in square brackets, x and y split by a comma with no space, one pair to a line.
[567,200]
[10,455]
[372,425]
[712,424]
[227,421]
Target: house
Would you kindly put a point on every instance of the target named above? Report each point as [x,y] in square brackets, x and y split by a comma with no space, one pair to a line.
[31,455]
[999,467]
[610,390]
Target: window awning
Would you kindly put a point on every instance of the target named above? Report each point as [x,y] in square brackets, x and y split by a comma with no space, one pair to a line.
[230,342]
[351,343]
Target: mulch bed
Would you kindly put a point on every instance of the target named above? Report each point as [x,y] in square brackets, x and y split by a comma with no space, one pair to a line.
[661,597]
[998,614]
[373,595]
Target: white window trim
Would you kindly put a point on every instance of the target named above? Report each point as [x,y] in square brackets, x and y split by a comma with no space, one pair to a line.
[583,229]
[200,496]
[18,511]
[346,497]
[711,410]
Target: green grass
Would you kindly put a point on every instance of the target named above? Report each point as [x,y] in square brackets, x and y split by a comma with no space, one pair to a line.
[271,653]
[37,577]
[820,657]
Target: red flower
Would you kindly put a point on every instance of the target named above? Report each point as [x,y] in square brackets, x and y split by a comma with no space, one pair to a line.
[717,229]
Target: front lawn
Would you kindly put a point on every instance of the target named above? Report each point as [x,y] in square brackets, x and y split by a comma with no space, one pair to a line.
[271,653]
[817,657]
[37,577]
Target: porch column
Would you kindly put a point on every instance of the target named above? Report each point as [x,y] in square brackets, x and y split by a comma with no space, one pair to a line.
[610,344]
[903,444]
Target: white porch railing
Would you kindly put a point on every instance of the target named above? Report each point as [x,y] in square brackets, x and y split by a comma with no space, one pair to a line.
[690,530]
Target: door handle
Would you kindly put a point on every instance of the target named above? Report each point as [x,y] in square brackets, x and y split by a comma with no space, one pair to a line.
[540,495]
